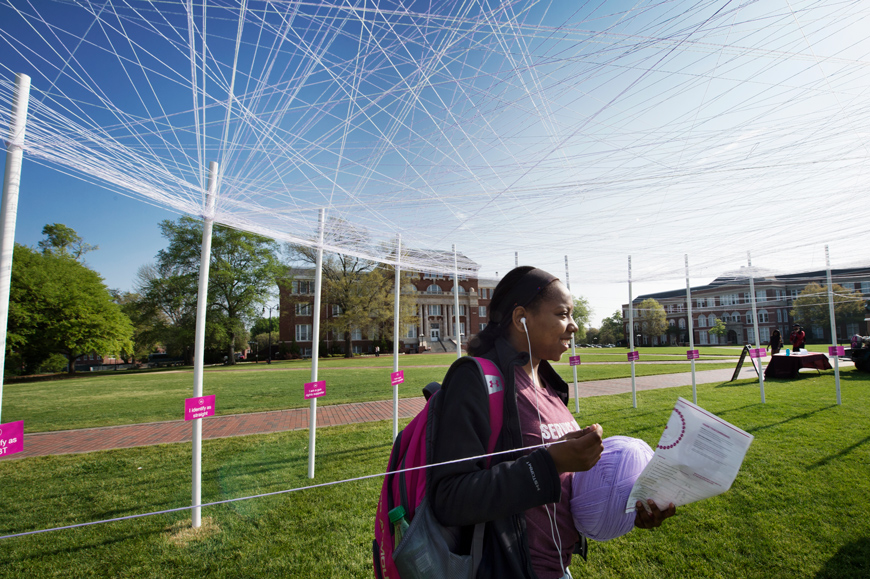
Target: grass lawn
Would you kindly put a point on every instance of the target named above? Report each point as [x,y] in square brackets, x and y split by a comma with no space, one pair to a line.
[798,508]
[110,399]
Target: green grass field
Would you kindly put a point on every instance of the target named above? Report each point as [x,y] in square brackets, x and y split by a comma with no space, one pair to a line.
[111,399]
[798,508]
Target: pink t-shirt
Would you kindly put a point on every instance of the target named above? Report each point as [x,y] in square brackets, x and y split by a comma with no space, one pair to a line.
[555,422]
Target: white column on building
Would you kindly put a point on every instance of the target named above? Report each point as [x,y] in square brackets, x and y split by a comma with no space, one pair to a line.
[833,323]
[315,340]
[691,330]
[199,340]
[9,206]
[631,336]
[755,325]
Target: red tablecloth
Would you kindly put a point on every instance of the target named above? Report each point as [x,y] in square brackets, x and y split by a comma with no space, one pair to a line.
[782,366]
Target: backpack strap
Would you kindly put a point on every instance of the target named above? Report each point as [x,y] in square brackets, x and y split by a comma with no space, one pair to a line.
[494,382]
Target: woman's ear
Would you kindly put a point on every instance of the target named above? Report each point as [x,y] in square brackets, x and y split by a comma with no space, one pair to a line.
[519,320]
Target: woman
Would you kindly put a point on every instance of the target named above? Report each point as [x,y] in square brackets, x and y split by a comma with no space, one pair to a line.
[523,496]
[775,344]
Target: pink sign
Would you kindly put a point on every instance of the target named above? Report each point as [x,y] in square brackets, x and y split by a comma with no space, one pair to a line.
[315,389]
[11,438]
[692,354]
[574,360]
[199,407]
[633,356]
[757,353]
[836,351]
[397,378]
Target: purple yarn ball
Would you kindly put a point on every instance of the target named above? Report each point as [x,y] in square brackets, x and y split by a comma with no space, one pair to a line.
[599,495]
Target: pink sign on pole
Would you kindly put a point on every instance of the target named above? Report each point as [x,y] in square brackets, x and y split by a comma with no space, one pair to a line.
[397,378]
[315,389]
[836,351]
[574,360]
[198,407]
[633,356]
[757,353]
[11,438]
[692,354]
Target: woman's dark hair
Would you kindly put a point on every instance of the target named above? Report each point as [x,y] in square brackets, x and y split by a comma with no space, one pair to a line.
[505,299]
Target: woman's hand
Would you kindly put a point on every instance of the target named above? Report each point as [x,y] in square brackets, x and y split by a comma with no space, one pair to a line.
[654,517]
[578,450]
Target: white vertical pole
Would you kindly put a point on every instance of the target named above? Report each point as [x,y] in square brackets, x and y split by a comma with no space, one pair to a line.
[315,344]
[755,325]
[9,206]
[199,342]
[833,323]
[691,330]
[456,303]
[573,346]
[631,336]
[396,336]
[516,259]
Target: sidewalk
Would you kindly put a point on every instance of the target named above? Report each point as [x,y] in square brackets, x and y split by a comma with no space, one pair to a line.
[107,438]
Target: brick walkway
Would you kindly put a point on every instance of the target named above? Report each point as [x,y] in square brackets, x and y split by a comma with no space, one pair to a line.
[93,439]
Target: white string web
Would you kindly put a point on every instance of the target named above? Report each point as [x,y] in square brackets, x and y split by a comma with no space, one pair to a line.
[654,129]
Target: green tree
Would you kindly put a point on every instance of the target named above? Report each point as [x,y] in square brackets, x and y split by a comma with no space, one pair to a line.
[652,318]
[582,313]
[719,330]
[612,329]
[63,240]
[362,289]
[57,305]
[261,326]
[811,309]
[591,335]
[242,275]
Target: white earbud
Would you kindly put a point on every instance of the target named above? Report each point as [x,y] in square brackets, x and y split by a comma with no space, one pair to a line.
[523,322]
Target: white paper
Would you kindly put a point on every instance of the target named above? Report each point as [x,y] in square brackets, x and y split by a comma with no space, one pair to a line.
[698,457]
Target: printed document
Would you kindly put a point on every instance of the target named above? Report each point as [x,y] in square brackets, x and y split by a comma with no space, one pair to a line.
[697,457]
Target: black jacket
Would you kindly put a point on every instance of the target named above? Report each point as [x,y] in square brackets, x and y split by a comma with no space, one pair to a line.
[467,493]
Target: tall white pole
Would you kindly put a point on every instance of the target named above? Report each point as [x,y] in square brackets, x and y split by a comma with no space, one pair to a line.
[199,342]
[516,259]
[9,206]
[833,323]
[396,336]
[573,346]
[691,330]
[315,344]
[755,325]
[631,336]
[456,304]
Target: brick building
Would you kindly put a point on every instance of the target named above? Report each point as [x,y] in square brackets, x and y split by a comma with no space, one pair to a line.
[434,330]
[728,299]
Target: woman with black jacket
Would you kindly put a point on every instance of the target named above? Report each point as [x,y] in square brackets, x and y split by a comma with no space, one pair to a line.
[523,497]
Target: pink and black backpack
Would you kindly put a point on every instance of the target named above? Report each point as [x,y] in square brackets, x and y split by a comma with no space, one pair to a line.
[427,549]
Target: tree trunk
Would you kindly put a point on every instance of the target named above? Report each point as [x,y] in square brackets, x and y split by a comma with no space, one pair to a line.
[232,349]
[348,349]
[72,363]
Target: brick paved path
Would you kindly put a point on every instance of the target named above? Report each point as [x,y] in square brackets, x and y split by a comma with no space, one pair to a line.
[92,439]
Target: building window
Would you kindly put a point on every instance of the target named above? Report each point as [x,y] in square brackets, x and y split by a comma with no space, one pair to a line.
[303,332]
[763,333]
[434,309]
[356,334]
[748,317]
[735,317]
[865,287]
[779,315]
[462,328]
[357,349]
[725,317]
[481,311]
[433,289]
[481,327]
[702,322]
[336,310]
[761,295]
[793,293]
[303,309]
[410,331]
[702,334]
[818,332]
[304,286]
[848,285]
[462,290]
[763,318]
[682,323]
[702,302]
[462,311]
[851,329]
